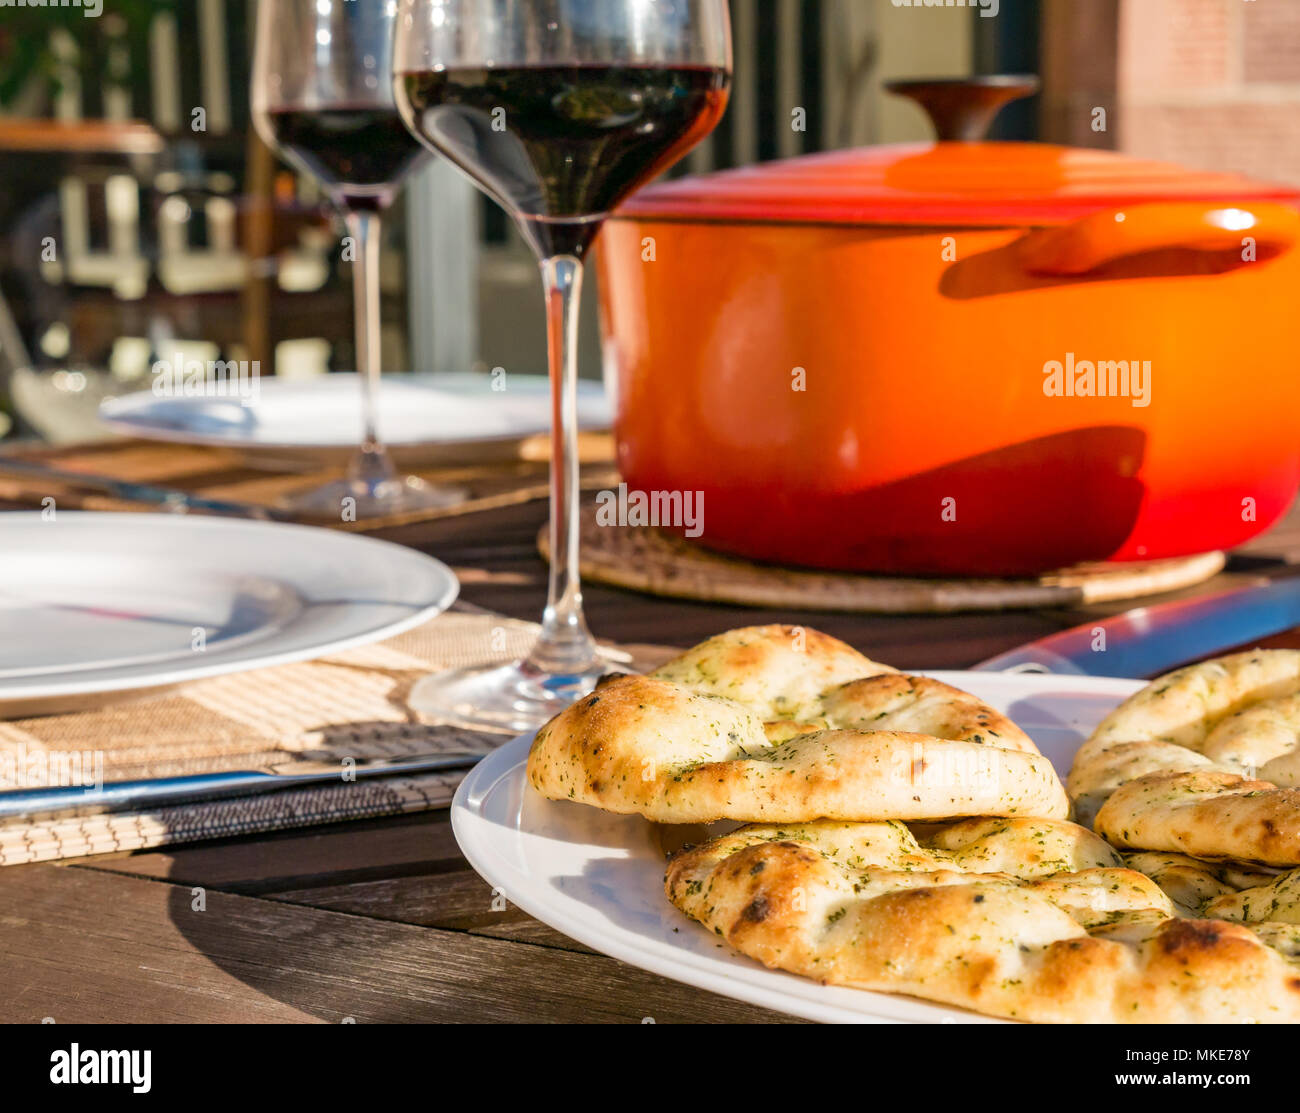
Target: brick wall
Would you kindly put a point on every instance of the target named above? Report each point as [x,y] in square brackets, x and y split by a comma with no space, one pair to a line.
[1211,84]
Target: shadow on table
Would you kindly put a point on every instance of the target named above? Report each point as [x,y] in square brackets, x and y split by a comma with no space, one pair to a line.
[295,947]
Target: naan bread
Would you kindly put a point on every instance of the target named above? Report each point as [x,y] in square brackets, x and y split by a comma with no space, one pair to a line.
[1097,773]
[1267,900]
[1020,918]
[1237,714]
[1203,761]
[1207,815]
[1185,706]
[1193,884]
[781,724]
[778,672]
[1262,740]
[1276,901]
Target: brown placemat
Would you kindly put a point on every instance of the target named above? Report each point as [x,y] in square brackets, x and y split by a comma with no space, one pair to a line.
[351,704]
[647,559]
[514,473]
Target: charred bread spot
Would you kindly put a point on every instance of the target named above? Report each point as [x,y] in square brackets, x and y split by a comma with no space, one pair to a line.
[1188,938]
[978,974]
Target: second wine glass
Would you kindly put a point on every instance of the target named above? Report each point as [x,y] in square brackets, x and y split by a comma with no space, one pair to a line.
[323,96]
[557,109]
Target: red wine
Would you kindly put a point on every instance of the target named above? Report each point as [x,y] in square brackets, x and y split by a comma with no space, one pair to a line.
[360,155]
[561,146]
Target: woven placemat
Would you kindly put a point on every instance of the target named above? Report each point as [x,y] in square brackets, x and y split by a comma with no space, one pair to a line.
[643,558]
[351,704]
[267,479]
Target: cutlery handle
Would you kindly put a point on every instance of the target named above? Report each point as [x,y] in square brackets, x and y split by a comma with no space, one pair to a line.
[169,791]
[1149,641]
[121,795]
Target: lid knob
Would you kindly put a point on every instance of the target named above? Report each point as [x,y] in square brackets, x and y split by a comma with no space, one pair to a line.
[962,108]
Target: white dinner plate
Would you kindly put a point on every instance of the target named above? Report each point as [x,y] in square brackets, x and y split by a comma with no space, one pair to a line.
[96,603]
[598,877]
[324,413]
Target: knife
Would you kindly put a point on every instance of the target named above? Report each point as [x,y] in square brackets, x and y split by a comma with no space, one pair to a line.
[120,796]
[1149,641]
[165,498]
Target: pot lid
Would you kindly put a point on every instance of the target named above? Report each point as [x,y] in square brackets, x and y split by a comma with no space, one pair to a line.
[976,184]
[947,183]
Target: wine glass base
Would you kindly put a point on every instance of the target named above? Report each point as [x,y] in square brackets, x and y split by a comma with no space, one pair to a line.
[500,698]
[399,495]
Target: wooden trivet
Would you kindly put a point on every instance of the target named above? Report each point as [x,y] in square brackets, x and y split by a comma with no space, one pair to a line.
[646,559]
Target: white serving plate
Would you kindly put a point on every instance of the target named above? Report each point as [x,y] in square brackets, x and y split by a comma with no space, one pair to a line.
[98,603]
[598,877]
[324,413]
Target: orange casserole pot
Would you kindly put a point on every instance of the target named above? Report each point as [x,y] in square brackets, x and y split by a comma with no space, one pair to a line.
[854,356]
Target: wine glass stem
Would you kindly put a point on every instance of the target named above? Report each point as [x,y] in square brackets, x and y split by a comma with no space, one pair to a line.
[565,646]
[371,465]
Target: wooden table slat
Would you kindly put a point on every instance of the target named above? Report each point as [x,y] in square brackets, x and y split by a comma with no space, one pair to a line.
[460,901]
[85,946]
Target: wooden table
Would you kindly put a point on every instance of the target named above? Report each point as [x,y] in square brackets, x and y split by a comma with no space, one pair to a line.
[384,920]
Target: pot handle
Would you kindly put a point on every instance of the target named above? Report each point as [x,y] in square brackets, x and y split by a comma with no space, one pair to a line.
[1105,237]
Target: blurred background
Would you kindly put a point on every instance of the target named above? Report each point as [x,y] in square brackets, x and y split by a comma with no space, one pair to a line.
[160,223]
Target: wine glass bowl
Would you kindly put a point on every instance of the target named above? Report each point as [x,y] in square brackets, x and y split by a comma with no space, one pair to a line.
[579,137]
[558,110]
[322,96]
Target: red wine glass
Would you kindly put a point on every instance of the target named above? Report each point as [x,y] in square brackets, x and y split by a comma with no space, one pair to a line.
[557,109]
[323,97]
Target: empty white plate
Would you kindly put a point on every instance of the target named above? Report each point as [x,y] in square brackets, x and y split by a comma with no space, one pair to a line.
[92,603]
[598,877]
[325,412]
